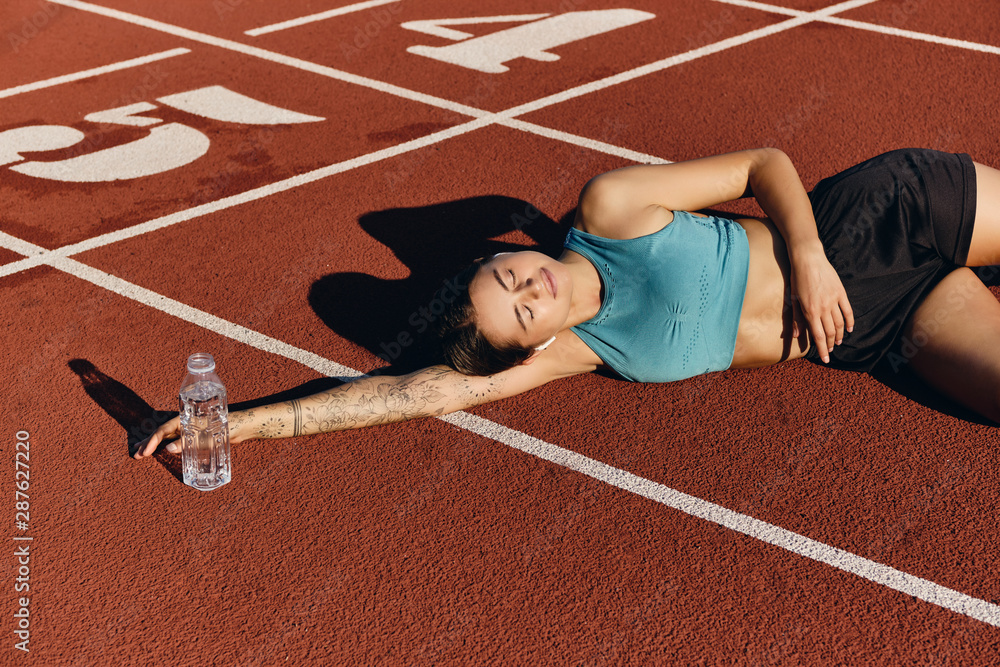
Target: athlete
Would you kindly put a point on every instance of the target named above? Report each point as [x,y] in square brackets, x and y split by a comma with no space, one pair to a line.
[870,266]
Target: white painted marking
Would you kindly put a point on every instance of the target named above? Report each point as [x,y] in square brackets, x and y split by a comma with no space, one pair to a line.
[889,577]
[764,7]
[910,34]
[86,74]
[435,26]
[271,56]
[585,142]
[20,246]
[124,115]
[36,138]
[321,16]
[165,147]
[219,103]
[489,52]
[236,200]
[870,27]
[202,319]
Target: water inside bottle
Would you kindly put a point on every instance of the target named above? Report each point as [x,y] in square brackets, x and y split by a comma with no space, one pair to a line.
[205,434]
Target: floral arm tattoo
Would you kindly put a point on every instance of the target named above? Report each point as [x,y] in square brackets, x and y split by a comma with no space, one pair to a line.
[370,401]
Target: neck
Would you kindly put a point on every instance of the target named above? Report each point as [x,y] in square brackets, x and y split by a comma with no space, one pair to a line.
[587,287]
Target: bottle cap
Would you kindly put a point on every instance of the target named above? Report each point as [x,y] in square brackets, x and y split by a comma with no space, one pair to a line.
[201,362]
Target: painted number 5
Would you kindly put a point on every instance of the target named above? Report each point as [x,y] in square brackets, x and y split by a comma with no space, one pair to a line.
[165,147]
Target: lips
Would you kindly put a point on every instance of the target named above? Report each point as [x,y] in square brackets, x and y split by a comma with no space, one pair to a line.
[550,282]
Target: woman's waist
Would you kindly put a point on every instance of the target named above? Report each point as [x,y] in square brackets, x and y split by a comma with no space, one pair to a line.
[765,330]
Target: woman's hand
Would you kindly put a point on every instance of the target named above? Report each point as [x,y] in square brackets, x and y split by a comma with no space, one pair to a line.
[170,430]
[819,299]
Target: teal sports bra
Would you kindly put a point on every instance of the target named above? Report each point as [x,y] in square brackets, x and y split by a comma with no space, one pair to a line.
[671,300]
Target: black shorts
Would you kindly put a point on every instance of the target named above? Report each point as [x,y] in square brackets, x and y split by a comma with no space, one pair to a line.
[893,227]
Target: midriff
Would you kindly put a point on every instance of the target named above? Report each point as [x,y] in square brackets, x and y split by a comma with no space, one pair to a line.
[765,332]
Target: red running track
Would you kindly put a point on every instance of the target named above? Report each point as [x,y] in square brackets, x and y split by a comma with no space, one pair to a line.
[789,515]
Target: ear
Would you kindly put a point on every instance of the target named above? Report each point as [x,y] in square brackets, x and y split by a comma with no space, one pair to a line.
[538,351]
[531,359]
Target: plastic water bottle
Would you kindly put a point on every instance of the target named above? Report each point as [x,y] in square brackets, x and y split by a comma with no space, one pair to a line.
[204,425]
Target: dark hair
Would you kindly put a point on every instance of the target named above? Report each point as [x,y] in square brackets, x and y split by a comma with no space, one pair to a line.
[462,343]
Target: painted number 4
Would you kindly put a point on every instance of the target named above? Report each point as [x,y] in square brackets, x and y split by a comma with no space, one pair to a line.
[531,39]
[167,145]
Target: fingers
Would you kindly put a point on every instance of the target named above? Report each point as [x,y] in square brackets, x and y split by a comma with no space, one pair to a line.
[146,447]
[828,330]
[818,295]
[845,307]
[166,431]
[821,340]
[834,328]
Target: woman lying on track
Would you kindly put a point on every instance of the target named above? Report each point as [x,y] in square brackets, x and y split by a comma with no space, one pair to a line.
[873,259]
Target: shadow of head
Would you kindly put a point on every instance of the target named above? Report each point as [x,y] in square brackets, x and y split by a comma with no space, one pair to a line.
[394,319]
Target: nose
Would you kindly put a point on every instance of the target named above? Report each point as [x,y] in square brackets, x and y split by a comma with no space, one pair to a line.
[533,287]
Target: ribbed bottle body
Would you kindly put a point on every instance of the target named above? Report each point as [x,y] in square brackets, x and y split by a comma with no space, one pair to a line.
[204,430]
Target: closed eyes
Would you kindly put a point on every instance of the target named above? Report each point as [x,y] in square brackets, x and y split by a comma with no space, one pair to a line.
[513,286]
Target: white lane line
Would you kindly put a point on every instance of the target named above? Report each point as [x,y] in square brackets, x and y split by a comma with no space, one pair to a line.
[879,573]
[86,74]
[202,319]
[585,142]
[800,19]
[271,56]
[764,7]
[340,11]
[35,258]
[871,27]
[910,34]
[20,246]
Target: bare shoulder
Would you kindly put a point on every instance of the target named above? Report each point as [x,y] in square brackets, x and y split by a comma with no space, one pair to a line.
[623,220]
[639,200]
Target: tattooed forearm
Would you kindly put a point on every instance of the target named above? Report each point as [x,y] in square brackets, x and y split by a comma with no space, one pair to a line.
[296,406]
[370,401]
[265,422]
[373,401]
[239,419]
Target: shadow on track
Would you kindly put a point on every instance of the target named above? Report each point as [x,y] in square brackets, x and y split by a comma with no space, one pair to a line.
[894,372]
[136,417]
[393,318]
[139,420]
[905,382]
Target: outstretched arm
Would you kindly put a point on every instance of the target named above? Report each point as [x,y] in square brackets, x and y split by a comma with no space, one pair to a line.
[366,401]
[374,400]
